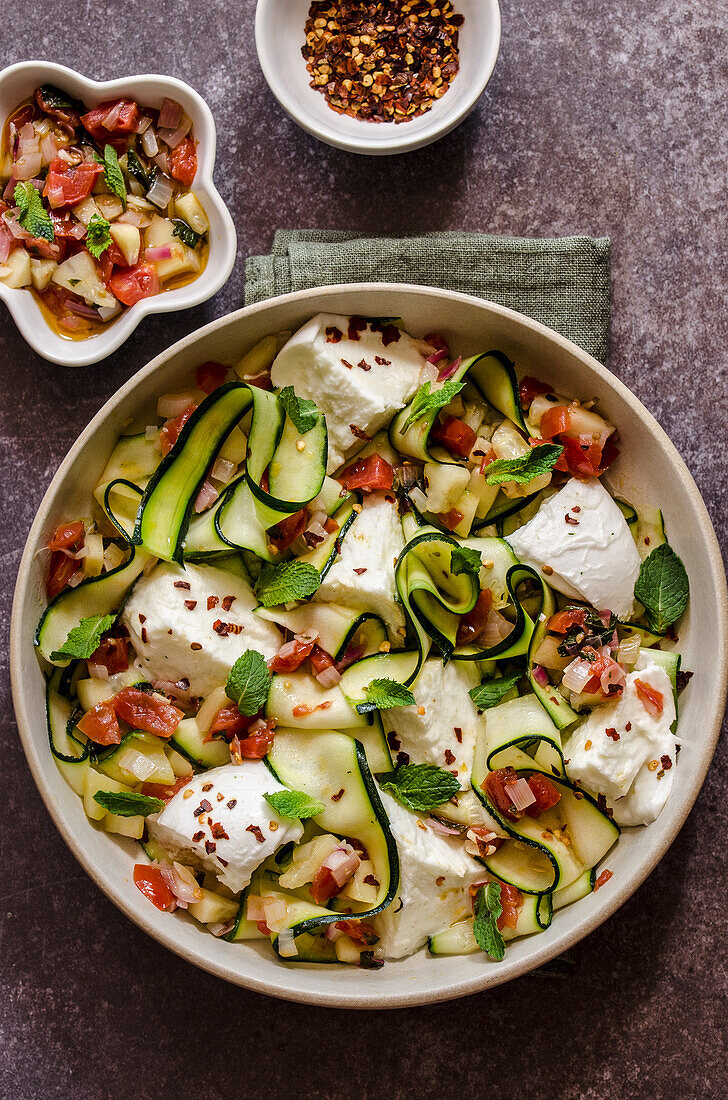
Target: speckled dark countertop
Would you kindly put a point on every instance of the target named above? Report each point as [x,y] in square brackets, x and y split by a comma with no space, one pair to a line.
[600,118]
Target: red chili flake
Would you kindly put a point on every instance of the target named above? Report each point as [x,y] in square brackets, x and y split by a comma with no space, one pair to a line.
[359,433]
[628,727]
[195,646]
[182,584]
[190,604]
[218,831]
[360,571]
[449,757]
[393,741]
[222,861]
[312,540]
[210,846]
[203,808]
[683,679]
[197,837]
[212,601]
[602,880]
[364,365]
[611,732]
[602,805]
[221,628]
[371,880]
[390,333]
[232,803]
[356,325]
[666,762]
[207,786]
[439,880]
[143,633]
[142,618]
[382,362]
[333,334]
[338,796]
[227,602]
[571,520]
[402,759]
[458,734]
[346,363]
[256,831]
[576,508]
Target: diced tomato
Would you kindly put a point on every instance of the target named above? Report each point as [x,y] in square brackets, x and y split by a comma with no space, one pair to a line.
[582,457]
[652,699]
[257,744]
[100,724]
[599,665]
[455,436]
[63,224]
[117,257]
[68,184]
[324,886]
[472,625]
[230,722]
[554,421]
[210,375]
[260,381]
[545,793]
[151,883]
[287,530]
[320,660]
[69,536]
[296,652]
[182,162]
[610,452]
[166,791]
[494,786]
[169,432]
[603,879]
[562,621]
[512,901]
[359,930]
[130,286]
[126,123]
[450,519]
[368,474]
[150,713]
[530,387]
[112,653]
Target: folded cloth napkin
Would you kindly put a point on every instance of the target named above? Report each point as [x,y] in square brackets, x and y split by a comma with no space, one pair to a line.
[563,283]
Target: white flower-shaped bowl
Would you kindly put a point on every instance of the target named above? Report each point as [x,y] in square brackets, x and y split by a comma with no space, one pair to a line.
[649,471]
[17,83]
[280,34]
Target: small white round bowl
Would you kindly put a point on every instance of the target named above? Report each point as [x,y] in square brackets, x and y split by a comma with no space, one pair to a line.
[649,471]
[279,36]
[17,83]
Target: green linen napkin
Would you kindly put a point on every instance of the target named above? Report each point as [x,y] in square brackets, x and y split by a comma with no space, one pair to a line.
[563,283]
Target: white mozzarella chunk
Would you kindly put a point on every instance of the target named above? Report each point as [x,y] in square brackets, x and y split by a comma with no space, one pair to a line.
[592,554]
[362,577]
[444,733]
[435,875]
[194,623]
[361,382]
[625,764]
[236,833]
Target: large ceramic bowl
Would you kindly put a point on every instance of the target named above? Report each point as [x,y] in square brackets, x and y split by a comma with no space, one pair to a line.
[17,83]
[649,470]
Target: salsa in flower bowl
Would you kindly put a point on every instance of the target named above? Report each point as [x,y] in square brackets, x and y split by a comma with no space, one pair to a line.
[107,207]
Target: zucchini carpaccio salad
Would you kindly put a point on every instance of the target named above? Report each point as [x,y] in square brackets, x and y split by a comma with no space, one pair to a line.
[96,210]
[355,642]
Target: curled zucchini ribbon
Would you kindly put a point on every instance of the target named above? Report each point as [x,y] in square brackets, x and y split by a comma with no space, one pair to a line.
[249,506]
[554,851]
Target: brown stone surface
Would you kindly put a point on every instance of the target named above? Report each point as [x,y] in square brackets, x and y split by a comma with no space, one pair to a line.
[605,119]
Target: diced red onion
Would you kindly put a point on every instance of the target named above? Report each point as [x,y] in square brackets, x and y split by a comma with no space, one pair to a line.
[81,309]
[605,616]
[161,192]
[352,655]
[161,160]
[175,137]
[48,148]
[7,241]
[342,863]
[496,629]
[221,927]
[437,356]
[332,932]
[150,145]
[612,676]
[441,828]
[110,120]
[614,641]
[134,217]
[175,690]
[170,114]
[73,324]
[107,312]
[576,675]
[144,123]
[207,495]
[99,672]
[27,162]
[158,252]
[16,228]
[407,475]
[180,887]
[429,372]
[223,470]
[328,677]
[540,676]
[450,369]
[9,192]
[519,793]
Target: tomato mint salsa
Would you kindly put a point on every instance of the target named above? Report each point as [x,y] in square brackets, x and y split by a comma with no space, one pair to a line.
[356,642]
[97,210]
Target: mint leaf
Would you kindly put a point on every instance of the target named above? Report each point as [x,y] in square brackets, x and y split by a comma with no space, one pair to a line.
[425,401]
[33,216]
[465,560]
[83,640]
[383,694]
[539,460]
[128,805]
[303,413]
[98,236]
[291,580]
[488,908]
[492,692]
[421,786]
[662,588]
[113,174]
[294,804]
[248,682]
[186,233]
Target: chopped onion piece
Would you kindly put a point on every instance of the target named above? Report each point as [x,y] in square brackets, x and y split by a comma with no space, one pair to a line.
[150,144]
[113,556]
[158,252]
[144,123]
[98,672]
[629,650]
[170,114]
[450,369]
[223,470]
[328,677]
[220,927]
[496,629]
[174,404]
[151,433]
[614,676]
[419,499]
[175,137]
[539,675]
[576,675]
[519,793]
[207,495]
[105,313]
[110,120]
[286,944]
[161,191]
[135,217]
[135,763]
[255,910]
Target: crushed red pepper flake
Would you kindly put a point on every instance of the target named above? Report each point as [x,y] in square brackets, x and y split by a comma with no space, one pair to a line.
[227,602]
[384,61]
[232,803]
[212,601]
[203,808]
[333,334]
[611,732]
[198,835]
[361,570]
[257,832]
[210,846]
[360,433]
[666,762]
[449,757]
[182,584]
[338,796]
[218,831]
[190,604]
[363,365]
[458,734]
[381,362]
[195,646]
